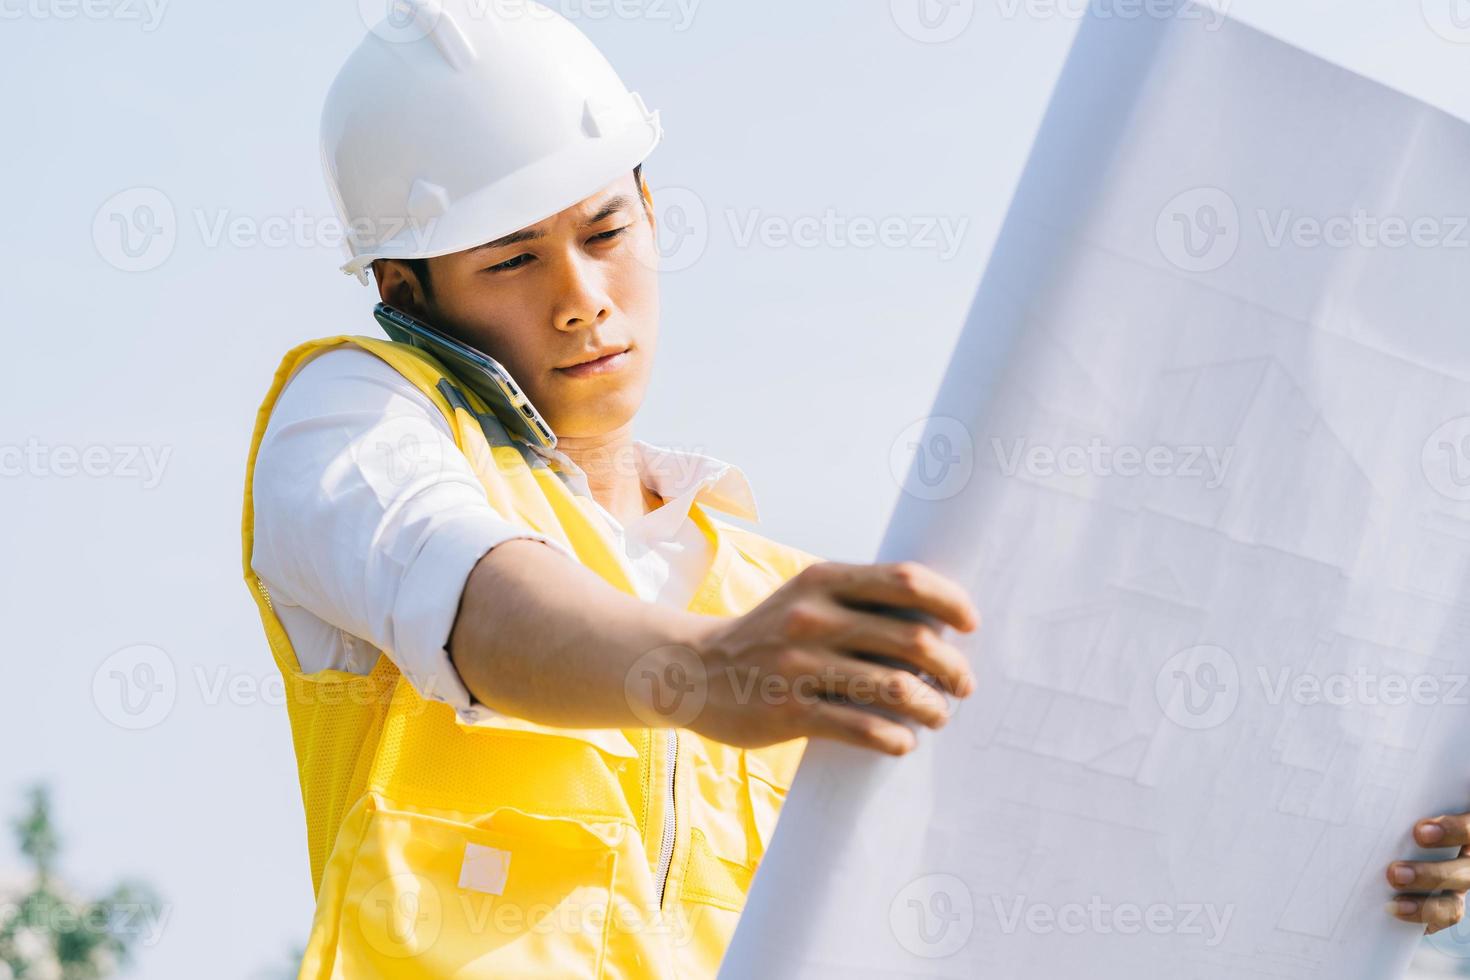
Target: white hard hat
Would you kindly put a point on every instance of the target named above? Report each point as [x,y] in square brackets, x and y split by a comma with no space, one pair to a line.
[456,122]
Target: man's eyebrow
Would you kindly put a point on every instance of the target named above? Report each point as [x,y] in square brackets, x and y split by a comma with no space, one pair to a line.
[613,206]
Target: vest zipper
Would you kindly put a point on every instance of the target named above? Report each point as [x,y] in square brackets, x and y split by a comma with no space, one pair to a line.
[666,843]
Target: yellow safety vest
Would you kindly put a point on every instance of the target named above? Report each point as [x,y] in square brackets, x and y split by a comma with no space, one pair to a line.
[514,849]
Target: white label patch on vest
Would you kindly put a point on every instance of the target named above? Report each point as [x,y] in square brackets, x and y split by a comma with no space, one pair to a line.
[484,869]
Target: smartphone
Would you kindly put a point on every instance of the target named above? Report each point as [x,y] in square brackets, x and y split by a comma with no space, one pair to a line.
[475,370]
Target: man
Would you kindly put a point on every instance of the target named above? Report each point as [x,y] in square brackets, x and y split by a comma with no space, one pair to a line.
[545,704]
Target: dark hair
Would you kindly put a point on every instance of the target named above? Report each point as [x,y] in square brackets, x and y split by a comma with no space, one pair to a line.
[420,267]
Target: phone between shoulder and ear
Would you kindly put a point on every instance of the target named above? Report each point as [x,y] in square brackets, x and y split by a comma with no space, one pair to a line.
[473,368]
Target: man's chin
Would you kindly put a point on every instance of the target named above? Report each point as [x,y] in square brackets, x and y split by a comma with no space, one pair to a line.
[589,411]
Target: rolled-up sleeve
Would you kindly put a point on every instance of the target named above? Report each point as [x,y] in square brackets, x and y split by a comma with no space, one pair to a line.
[370,518]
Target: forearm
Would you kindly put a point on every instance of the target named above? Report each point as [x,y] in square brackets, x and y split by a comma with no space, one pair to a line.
[540,637]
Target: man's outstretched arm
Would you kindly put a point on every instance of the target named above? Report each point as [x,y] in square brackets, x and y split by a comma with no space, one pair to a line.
[540,637]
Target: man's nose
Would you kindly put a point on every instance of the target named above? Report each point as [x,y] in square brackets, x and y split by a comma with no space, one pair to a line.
[581,295]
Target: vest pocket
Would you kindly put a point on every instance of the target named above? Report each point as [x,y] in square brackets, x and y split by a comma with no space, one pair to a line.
[512,895]
[766,799]
[741,793]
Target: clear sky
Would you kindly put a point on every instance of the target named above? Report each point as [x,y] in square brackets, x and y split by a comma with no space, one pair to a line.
[792,345]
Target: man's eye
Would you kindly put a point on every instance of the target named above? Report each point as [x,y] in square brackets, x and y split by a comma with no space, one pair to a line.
[610,235]
[514,263]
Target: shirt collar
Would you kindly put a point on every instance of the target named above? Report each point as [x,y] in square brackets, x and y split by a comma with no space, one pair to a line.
[674,474]
[677,475]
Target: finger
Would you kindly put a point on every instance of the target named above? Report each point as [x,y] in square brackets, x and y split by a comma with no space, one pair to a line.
[818,675]
[1430,876]
[913,643]
[1436,911]
[869,685]
[1450,830]
[909,585]
[861,728]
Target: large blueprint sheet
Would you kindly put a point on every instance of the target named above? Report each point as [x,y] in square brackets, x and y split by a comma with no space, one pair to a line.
[1203,458]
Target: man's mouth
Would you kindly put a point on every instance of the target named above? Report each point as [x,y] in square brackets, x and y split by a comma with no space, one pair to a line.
[614,360]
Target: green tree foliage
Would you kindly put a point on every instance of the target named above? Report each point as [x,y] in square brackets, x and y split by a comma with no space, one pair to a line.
[47,931]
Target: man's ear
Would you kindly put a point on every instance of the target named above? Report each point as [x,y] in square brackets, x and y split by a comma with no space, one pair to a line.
[399,287]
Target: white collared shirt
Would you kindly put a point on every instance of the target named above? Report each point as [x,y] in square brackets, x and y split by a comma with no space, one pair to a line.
[361,554]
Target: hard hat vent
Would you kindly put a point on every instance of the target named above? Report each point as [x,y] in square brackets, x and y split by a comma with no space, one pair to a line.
[590,125]
[426,201]
[411,20]
[452,43]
